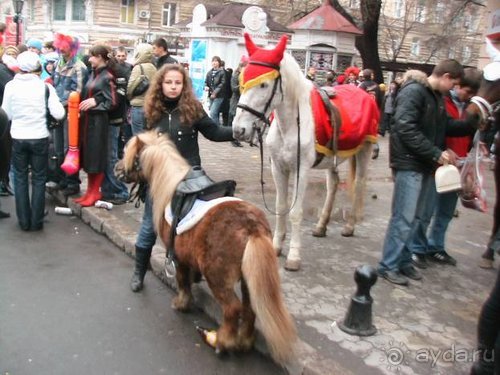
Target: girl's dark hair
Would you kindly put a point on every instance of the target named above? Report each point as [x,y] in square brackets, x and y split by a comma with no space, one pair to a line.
[107,54]
[189,107]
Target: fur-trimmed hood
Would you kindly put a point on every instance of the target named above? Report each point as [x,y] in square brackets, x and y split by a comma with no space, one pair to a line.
[417,76]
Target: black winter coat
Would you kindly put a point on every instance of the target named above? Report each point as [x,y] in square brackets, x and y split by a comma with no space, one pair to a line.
[94,122]
[216,83]
[185,136]
[419,126]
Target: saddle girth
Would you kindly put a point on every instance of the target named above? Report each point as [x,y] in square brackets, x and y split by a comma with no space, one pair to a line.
[327,92]
[195,185]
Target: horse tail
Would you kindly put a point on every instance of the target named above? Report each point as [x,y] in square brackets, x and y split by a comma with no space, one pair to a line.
[260,271]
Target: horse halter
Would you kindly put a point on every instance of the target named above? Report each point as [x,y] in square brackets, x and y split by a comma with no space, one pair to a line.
[486,109]
[262,115]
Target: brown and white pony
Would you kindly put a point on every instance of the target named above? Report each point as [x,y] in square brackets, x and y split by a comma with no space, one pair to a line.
[231,243]
[274,83]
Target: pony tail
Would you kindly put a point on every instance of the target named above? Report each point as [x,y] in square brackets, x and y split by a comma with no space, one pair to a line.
[260,270]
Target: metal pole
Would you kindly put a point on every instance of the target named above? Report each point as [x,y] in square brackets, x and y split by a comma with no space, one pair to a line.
[17,28]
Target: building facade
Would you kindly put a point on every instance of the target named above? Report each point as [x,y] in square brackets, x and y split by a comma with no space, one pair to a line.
[427,31]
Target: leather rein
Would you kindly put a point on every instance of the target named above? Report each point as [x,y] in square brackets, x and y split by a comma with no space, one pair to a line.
[260,132]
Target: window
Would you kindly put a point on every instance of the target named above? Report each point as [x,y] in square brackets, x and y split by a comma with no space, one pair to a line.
[415,47]
[439,16]
[353,3]
[420,11]
[466,54]
[127,11]
[399,8]
[69,10]
[168,18]
[451,53]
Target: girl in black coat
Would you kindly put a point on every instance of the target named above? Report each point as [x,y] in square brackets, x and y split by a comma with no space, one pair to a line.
[98,98]
[171,107]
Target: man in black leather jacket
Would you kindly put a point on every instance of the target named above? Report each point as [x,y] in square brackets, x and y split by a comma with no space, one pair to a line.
[416,147]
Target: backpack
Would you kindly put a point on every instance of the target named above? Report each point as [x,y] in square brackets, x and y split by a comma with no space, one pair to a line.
[118,115]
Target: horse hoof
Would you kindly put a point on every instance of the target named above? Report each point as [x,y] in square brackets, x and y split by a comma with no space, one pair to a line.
[278,252]
[347,232]
[292,264]
[319,232]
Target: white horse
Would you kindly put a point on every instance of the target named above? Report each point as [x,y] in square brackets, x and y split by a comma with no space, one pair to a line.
[274,83]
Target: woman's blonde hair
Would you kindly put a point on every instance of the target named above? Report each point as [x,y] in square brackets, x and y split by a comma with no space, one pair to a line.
[154,104]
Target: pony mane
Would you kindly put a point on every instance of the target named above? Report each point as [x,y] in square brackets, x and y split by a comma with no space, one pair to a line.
[294,80]
[163,167]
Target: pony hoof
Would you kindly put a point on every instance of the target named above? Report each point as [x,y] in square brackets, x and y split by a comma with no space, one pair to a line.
[292,264]
[347,232]
[180,305]
[278,252]
[319,232]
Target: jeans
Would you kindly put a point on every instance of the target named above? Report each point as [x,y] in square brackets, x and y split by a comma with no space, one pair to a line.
[443,213]
[137,119]
[111,187]
[147,236]
[407,190]
[30,154]
[488,332]
[215,107]
[425,208]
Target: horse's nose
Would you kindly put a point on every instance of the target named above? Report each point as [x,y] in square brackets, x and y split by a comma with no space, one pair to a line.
[238,132]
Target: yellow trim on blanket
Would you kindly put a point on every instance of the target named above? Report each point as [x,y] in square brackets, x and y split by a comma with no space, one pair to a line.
[344,153]
[273,74]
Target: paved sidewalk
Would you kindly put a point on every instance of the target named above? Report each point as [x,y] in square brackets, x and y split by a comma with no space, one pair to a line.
[427,328]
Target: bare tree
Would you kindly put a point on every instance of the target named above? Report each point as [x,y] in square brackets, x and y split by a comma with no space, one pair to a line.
[438,23]
[367,43]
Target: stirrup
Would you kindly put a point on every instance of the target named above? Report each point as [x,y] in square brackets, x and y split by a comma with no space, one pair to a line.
[170,268]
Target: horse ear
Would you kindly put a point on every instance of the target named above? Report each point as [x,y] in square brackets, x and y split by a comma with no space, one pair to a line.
[251,47]
[280,48]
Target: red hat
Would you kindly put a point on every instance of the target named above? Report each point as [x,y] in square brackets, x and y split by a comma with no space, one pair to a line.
[254,73]
[352,69]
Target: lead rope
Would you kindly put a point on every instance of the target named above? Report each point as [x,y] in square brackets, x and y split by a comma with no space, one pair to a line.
[262,183]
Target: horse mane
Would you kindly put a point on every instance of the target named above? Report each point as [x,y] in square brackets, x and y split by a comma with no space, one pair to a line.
[295,85]
[163,167]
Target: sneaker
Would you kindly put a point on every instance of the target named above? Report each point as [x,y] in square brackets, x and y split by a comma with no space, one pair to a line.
[71,190]
[5,189]
[486,263]
[375,152]
[411,273]
[442,257]
[116,201]
[4,215]
[419,261]
[394,277]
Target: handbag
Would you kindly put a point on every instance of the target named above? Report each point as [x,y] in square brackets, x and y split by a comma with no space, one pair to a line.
[52,123]
[473,194]
[143,84]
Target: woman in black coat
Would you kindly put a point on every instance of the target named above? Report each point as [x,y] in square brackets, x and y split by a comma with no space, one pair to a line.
[98,98]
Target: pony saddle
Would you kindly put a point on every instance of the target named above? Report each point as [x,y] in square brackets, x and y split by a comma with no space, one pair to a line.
[197,185]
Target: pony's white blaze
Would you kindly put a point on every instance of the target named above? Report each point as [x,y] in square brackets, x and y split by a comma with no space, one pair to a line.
[290,106]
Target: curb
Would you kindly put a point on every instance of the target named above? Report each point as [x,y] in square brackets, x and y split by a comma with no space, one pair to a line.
[308,360]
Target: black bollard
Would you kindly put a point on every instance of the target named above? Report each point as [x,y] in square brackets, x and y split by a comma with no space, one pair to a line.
[358,320]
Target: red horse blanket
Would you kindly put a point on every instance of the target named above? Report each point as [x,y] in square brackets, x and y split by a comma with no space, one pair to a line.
[360,118]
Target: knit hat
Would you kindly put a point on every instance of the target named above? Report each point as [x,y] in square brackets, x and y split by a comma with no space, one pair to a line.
[29,62]
[35,43]
[11,50]
[255,73]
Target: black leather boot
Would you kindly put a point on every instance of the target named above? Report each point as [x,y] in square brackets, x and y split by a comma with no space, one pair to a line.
[142,256]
